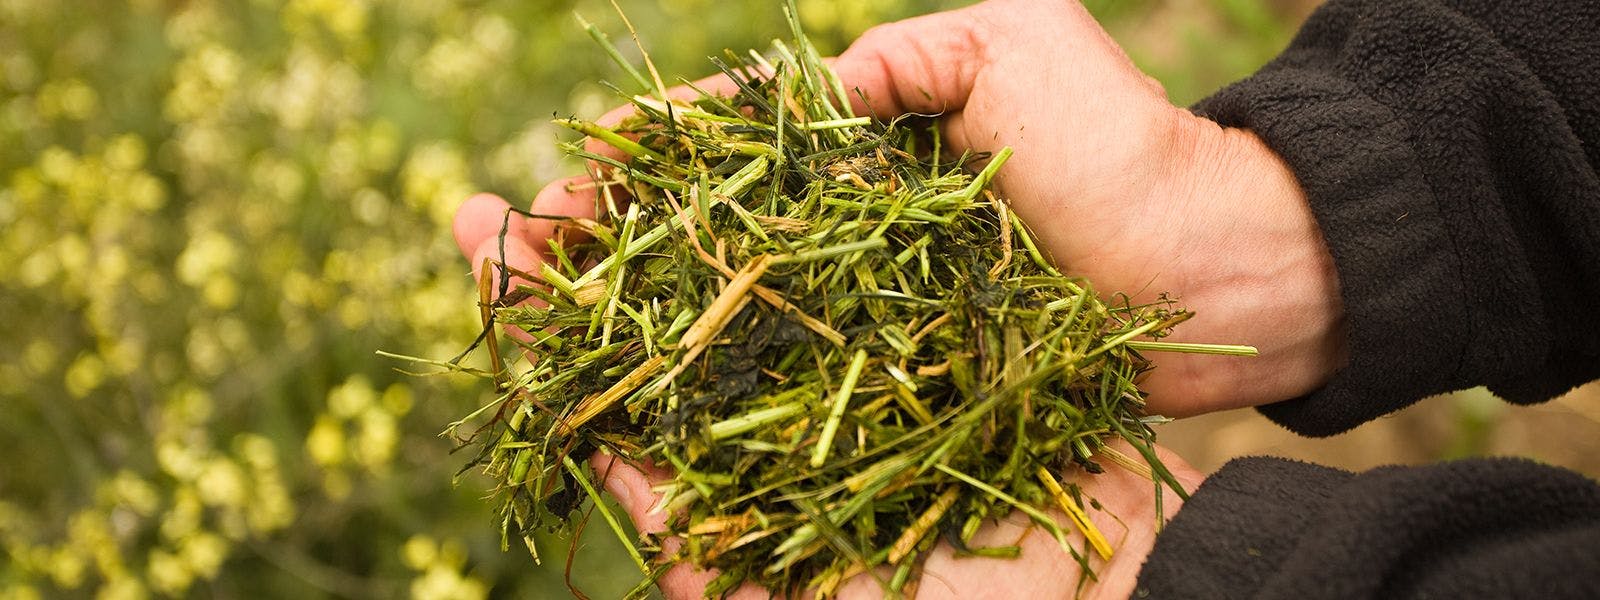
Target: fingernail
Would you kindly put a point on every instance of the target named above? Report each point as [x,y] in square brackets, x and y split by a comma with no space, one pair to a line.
[605,468]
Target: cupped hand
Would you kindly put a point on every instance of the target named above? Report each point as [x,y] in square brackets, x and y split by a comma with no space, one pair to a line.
[1125,189]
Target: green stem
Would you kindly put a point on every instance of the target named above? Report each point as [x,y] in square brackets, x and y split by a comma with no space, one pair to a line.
[611,138]
[1217,349]
[840,400]
[605,512]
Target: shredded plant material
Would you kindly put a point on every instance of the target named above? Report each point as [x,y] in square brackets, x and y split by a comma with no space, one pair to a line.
[843,344]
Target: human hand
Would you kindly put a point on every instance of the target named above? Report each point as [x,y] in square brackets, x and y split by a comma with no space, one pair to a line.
[1127,518]
[1125,189]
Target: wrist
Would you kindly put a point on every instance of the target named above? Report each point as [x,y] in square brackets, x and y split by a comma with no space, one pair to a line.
[1257,271]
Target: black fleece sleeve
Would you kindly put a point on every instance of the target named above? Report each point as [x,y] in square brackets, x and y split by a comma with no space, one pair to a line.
[1274,528]
[1449,151]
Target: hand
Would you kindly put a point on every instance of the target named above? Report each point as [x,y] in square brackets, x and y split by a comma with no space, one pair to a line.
[1125,189]
[1043,570]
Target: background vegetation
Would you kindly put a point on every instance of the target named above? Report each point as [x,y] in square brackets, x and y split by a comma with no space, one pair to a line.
[214,212]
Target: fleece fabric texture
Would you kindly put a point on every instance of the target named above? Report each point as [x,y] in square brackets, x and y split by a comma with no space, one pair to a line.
[1449,151]
[1273,528]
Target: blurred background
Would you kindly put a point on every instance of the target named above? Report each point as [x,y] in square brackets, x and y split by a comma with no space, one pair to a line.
[213,213]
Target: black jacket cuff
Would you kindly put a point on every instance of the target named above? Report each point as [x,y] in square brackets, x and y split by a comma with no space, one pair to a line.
[1381,222]
[1488,528]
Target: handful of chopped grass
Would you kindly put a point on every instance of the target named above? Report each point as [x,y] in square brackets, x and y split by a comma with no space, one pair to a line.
[844,345]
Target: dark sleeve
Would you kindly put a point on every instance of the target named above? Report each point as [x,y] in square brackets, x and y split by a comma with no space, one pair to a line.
[1274,528]
[1448,148]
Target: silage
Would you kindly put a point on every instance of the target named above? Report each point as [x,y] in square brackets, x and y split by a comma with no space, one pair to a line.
[840,340]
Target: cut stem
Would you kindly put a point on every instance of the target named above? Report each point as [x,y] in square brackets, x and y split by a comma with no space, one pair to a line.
[834,124]
[840,400]
[605,512]
[1075,512]
[1217,349]
[611,138]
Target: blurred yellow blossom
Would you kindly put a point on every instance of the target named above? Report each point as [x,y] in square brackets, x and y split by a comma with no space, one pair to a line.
[168,573]
[376,443]
[204,554]
[128,490]
[440,567]
[443,583]
[325,442]
[57,165]
[85,374]
[352,397]
[435,179]
[122,587]
[222,483]
[419,551]
[69,99]
[127,152]
[183,517]
[397,399]
[39,356]
[209,253]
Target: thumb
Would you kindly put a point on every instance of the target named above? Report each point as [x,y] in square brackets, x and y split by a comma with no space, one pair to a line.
[631,487]
[925,64]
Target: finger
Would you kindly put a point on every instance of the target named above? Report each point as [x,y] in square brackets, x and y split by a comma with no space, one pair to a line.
[716,84]
[632,489]
[521,257]
[686,582]
[631,486]
[516,253]
[573,197]
[926,64]
[482,217]
[934,63]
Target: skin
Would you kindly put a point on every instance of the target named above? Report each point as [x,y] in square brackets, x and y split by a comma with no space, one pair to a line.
[1120,187]
[1042,570]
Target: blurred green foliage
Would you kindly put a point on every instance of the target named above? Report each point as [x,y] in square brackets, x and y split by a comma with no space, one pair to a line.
[214,212]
